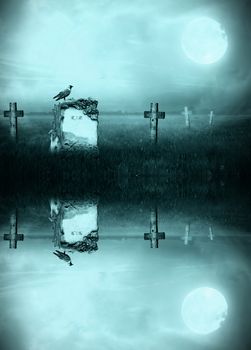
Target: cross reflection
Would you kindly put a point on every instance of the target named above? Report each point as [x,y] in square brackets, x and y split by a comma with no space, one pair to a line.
[154,235]
[13,236]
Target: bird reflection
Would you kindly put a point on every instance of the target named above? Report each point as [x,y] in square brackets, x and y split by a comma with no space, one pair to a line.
[63,256]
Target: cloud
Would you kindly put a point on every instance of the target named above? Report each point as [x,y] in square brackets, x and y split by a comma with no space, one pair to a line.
[121,53]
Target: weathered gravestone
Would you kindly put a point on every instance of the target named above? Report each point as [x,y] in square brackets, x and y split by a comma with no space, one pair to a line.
[75,225]
[75,125]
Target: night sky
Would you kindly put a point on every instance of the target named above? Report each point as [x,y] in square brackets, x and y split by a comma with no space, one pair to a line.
[123,53]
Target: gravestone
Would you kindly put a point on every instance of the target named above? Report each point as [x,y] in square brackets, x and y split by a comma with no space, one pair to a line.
[75,125]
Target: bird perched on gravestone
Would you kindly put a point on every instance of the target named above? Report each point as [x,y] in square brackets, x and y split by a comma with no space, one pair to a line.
[63,256]
[63,94]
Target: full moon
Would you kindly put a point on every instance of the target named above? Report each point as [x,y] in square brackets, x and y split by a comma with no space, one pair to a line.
[203,310]
[204,41]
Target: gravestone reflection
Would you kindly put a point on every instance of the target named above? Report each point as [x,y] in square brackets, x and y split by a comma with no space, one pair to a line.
[75,225]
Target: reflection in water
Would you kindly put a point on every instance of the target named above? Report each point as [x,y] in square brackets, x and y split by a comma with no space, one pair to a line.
[203,310]
[75,227]
[63,256]
[126,295]
[154,235]
[13,236]
[113,298]
[187,236]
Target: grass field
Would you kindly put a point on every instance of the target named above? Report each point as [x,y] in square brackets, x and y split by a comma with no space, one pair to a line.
[183,158]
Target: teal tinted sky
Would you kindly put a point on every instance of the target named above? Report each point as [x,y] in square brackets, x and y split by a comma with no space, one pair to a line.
[125,54]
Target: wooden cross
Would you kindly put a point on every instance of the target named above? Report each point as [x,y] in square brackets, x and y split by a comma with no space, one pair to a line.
[187,237]
[210,233]
[13,236]
[187,115]
[211,117]
[13,114]
[154,115]
[154,236]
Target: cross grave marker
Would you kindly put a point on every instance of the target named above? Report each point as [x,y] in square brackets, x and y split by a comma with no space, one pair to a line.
[154,115]
[211,117]
[187,115]
[210,233]
[13,114]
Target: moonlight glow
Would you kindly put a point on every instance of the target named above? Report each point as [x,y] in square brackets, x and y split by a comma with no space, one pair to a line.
[204,41]
[204,310]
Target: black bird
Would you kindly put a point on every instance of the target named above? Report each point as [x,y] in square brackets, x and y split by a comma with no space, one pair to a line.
[63,94]
[63,256]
